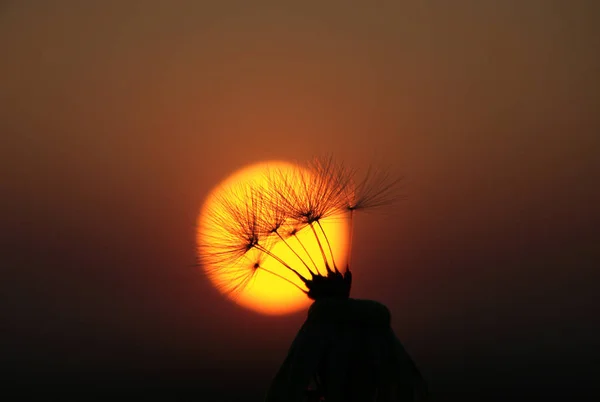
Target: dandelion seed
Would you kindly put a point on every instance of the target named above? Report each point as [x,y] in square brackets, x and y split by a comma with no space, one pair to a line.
[376,189]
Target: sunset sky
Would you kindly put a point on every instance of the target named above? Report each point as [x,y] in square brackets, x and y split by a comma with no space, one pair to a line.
[117,118]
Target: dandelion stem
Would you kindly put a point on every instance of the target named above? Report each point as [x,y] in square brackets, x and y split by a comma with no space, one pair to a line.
[282,277]
[329,246]
[269,253]
[321,248]
[295,253]
[307,253]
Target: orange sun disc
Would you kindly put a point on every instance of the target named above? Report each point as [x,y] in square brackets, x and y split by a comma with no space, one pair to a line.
[273,288]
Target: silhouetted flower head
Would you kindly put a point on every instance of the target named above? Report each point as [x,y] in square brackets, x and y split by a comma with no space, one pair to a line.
[250,220]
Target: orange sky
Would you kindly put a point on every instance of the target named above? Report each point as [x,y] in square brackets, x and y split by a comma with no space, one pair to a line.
[117,118]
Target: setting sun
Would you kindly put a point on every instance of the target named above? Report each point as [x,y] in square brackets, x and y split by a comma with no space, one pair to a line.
[263,278]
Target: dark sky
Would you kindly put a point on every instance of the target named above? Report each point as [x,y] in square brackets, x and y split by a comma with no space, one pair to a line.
[118,117]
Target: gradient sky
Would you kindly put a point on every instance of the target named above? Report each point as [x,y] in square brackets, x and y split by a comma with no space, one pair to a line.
[118,117]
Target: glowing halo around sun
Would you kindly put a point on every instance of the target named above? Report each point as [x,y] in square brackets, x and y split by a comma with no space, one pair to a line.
[266,292]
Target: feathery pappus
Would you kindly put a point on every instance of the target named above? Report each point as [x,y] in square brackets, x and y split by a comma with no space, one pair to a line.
[247,220]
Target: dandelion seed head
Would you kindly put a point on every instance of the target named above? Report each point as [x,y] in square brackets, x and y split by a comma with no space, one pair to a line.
[287,227]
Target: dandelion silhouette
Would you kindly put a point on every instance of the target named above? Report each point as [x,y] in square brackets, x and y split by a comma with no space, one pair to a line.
[346,349]
[251,220]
